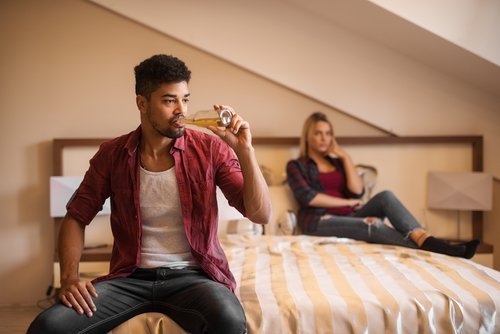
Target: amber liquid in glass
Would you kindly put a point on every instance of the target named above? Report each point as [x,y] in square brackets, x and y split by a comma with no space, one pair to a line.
[206,118]
[204,122]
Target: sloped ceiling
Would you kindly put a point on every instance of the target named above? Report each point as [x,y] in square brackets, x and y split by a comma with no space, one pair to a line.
[312,47]
[416,42]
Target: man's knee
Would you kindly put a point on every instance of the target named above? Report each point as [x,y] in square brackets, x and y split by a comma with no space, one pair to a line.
[229,320]
[49,321]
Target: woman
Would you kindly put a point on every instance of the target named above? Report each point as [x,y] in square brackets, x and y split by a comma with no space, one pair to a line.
[329,189]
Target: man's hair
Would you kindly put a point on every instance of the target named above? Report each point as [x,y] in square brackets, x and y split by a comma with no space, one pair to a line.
[309,122]
[157,70]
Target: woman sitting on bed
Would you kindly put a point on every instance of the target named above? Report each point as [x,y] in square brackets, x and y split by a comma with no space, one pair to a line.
[329,189]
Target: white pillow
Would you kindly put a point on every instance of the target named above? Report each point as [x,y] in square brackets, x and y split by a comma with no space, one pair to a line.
[283,203]
[243,226]
[286,223]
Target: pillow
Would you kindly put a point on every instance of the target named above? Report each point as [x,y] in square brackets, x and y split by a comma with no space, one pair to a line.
[243,226]
[272,178]
[284,208]
[369,176]
[287,223]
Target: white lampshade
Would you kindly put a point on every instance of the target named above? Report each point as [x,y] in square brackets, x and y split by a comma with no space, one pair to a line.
[61,190]
[460,191]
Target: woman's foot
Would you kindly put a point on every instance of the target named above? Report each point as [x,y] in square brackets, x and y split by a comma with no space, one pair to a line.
[440,246]
[470,247]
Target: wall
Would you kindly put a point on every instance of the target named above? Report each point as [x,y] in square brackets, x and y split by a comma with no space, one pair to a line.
[67,71]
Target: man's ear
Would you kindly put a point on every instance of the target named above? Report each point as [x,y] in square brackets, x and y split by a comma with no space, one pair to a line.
[141,103]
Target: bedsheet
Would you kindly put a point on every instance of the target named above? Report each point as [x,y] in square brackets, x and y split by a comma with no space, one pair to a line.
[304,284]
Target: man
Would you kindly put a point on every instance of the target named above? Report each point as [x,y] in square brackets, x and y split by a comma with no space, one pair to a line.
[162,182]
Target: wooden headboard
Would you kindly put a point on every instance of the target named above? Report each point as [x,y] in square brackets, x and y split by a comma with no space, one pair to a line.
[474,142]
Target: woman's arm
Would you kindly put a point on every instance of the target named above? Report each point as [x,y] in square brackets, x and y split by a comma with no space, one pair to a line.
[353,180]
[326,201]
[306,195]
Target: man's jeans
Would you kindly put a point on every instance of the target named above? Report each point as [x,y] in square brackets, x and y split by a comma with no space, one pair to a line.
[188,296]
[383,205]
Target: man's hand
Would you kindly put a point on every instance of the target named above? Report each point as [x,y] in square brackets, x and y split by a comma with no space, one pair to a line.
[77,294]
[237,135]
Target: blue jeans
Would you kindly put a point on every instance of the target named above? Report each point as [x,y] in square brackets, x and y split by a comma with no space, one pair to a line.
[188,296]
[383,205]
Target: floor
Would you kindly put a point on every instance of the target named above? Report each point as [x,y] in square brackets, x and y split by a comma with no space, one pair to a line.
[16,319]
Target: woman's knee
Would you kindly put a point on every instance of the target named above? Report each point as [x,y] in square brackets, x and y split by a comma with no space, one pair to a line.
[386,197]
[386,194]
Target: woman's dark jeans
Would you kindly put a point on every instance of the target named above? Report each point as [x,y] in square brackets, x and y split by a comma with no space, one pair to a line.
[383,205]
[194,301]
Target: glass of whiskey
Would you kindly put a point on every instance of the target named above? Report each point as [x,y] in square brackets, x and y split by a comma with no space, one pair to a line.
[206,118]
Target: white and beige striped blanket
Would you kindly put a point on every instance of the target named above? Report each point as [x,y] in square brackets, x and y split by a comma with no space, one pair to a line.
[303,284]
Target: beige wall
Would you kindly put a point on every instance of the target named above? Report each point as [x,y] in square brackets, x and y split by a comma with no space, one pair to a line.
[67,72]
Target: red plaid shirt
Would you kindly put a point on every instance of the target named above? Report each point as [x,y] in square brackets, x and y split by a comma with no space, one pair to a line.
[303,178]
[202,161]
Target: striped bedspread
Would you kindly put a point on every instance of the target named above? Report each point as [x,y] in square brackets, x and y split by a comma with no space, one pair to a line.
[303,284]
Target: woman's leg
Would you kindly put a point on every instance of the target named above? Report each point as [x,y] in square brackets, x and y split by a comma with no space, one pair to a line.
[386,204]
[359,229]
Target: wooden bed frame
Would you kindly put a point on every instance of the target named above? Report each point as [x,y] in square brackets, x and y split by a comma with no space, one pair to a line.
[476,143]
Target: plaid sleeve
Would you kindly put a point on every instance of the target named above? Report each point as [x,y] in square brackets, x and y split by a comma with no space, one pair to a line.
[297,180]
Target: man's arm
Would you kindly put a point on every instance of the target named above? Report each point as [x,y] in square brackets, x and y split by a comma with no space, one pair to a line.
[255,191]
[74,292]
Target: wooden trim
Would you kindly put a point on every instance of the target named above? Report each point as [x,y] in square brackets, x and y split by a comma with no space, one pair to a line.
[475,141]
[59,145]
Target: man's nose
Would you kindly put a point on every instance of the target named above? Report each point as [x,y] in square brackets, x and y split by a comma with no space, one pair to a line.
[181,108]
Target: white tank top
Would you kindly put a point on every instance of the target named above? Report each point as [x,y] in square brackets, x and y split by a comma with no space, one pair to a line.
[164,242]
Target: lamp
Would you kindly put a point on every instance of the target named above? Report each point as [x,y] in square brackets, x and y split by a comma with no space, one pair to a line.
[460,191]
[61,190]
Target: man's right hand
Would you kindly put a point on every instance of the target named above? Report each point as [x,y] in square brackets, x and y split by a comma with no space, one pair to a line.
[77,294]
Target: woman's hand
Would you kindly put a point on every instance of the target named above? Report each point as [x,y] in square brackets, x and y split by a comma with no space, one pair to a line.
[337,150]
[355,203]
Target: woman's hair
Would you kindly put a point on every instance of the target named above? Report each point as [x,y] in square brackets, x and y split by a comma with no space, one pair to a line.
[157,70]
[309,122]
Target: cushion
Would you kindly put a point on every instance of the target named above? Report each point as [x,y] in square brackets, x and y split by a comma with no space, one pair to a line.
[149,323]
[243,226]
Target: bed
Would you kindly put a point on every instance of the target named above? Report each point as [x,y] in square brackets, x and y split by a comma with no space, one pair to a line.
[304,284]
[291,283]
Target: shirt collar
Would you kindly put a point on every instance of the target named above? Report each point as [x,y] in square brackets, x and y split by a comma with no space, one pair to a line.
[180,143]
[133,141]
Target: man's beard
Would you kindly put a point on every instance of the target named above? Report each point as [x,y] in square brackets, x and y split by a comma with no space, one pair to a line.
[169,132]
